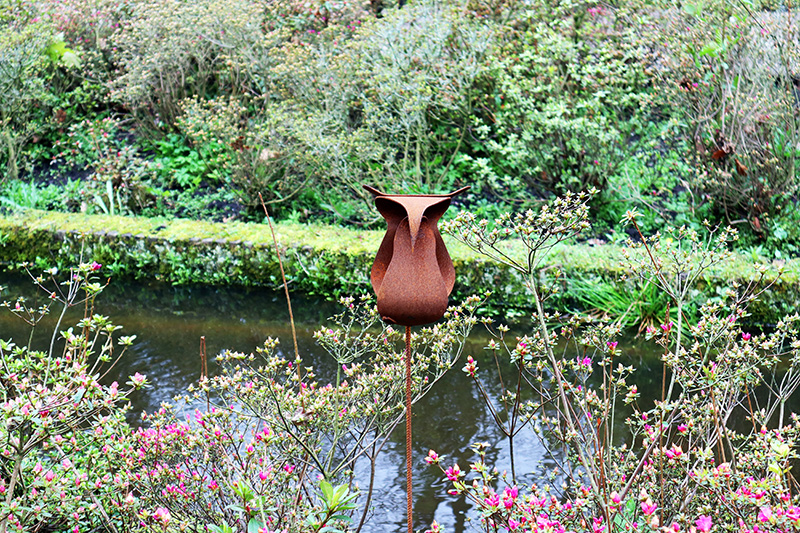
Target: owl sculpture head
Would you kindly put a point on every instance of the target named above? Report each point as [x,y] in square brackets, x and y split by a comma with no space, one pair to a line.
[412,274]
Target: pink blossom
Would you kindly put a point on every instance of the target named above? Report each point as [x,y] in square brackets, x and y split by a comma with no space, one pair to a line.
[597,525]
[704,523]
[493,500]
[666,327]
[793,513]
[288,468]
[765,513]
[454,472]
[648,507]
[162,515]
[674,452]
[471,367]
[509,496]
[612,345]
[432,457]
[745,336]
[683,428]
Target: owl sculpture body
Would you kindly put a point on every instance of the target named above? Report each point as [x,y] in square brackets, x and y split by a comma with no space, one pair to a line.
[412,274]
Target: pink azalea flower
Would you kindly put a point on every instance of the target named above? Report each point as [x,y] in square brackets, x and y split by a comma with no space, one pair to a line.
[674,452]
[432,457]
[704,523]
[765,513]
[471,367]
[492,501]
[648,507]
[162,515]
[453,473]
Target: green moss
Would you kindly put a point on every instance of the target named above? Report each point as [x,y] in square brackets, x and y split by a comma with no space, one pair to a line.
[318,259]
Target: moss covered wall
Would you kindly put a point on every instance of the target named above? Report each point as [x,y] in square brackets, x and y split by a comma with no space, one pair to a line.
[318,260]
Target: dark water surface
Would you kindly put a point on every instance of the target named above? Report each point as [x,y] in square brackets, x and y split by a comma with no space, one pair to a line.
[169,321]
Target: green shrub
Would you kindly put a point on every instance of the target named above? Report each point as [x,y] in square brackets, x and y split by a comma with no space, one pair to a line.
[273,441]
[23,65]
[562,99]
[712,452]
[729,71]
[170,51]
[117,183]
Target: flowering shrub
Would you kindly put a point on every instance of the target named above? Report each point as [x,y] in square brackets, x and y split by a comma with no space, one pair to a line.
[714,451]
[270,448]
[115,185]
[62,429]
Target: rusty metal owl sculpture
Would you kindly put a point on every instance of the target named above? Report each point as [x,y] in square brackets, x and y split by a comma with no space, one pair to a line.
[413,274]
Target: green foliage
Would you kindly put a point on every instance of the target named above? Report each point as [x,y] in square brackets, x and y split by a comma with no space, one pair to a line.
[562,100]
[170,51]
[179,164]
[116,184]
[708,453]
[22,68]
[731,71]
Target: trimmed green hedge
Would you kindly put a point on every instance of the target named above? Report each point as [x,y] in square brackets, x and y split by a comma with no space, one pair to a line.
[320,260]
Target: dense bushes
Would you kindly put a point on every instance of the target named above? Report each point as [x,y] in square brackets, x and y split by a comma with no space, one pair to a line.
[691,112]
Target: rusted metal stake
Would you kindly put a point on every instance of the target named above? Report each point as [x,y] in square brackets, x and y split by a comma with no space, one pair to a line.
[409,492]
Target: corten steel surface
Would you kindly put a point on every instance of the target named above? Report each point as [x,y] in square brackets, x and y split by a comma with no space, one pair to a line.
[412,274]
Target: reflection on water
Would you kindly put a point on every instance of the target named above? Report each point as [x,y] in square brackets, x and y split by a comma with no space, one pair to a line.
[169,323]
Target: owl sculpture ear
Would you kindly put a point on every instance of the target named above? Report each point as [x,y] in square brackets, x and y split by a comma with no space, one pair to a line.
[412,274]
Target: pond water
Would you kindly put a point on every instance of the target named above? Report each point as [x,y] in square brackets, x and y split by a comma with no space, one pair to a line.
[169,322]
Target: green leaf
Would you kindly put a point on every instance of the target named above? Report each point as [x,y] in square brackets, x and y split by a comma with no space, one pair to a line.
[693,9]
[55,50]
[70,59]
[710,49]
[327,491]
[254,525]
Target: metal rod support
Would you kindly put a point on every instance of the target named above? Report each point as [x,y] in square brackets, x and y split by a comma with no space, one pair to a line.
[409,492]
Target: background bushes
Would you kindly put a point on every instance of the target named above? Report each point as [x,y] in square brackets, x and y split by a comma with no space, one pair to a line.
[690,112]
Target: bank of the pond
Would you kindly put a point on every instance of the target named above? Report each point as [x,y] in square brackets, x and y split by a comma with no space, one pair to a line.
[321,260]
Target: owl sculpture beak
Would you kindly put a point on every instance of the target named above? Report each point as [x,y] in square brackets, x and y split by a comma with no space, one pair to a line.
[413,274]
